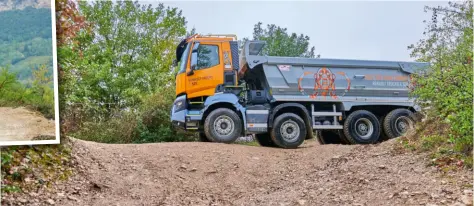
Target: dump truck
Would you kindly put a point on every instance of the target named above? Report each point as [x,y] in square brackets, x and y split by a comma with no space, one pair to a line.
[222,94]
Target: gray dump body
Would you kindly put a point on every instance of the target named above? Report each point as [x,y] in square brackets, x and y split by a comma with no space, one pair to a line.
[353,82]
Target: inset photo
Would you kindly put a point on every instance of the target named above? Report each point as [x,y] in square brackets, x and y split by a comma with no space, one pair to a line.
[28,73]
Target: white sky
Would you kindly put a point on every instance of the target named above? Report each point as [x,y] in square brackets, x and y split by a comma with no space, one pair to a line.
[371,30]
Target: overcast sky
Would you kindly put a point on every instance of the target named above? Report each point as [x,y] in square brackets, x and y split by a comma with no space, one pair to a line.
[371,30]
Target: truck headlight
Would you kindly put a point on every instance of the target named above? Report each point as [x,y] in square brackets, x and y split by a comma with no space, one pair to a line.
[179,105]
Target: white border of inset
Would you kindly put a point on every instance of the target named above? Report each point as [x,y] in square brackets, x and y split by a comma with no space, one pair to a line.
[56,93]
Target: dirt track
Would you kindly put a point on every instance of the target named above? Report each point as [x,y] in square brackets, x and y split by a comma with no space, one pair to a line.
[18,124]
[220,174]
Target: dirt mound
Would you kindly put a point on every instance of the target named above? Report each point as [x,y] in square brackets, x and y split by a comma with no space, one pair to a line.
[17,124]
[196,173]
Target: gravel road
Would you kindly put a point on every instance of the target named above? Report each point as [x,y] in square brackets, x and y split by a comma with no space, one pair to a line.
[196,173]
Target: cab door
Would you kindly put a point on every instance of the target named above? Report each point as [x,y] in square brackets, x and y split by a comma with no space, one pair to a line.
[205,70]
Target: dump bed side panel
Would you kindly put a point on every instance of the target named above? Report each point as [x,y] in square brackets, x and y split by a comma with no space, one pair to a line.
[326,83]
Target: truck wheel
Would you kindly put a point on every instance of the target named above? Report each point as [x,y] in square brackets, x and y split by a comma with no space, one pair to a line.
[319,137]
[383,136]
[343,137]
[223,125]
[398,122]
[331,137]
[202,137]
[362,127]
[289,131]
[265,140]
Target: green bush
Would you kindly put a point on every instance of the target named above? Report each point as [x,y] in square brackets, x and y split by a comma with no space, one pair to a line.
[150,122]
[446,90]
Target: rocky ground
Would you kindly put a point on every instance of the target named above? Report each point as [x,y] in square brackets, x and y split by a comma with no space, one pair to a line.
[19,124]
[197,173]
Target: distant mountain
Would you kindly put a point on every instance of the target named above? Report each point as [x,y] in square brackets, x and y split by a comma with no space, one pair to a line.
[26,40]
[22,4]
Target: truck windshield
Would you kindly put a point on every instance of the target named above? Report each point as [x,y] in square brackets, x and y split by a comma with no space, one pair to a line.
[184,59]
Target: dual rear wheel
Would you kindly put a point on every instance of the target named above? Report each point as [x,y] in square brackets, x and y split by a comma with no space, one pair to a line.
[363,127]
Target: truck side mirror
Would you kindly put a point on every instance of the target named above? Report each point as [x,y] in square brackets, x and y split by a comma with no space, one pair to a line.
[193,63]
[194,58]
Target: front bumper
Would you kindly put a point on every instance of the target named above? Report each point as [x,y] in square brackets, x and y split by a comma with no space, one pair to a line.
[178,118]
[183,118]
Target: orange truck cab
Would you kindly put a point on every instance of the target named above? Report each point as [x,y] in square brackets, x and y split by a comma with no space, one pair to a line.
[215,63]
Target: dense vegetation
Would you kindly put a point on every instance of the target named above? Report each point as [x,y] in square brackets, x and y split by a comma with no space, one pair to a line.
[447,89]
[25,41]
[114,89]
[38,96]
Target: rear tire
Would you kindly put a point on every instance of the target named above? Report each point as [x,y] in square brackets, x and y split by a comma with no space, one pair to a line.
[362,127]
[265,140]
[383,136]
[289,131]
[319,137]
[343,137]
[398,122]
[223,125]
[331,137]
[202,137]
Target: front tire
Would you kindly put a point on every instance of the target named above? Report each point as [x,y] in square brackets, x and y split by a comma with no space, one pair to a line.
[223,125]
[362,127]
[289,131]
[398,122]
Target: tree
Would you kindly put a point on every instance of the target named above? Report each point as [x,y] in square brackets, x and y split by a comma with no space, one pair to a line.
[448,84]
[127,54]
[280,43]
[69,23]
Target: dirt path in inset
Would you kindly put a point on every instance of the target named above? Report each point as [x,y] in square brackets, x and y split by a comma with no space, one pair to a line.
[19,124]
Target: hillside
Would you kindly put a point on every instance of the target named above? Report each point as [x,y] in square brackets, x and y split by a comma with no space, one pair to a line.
[25,40]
